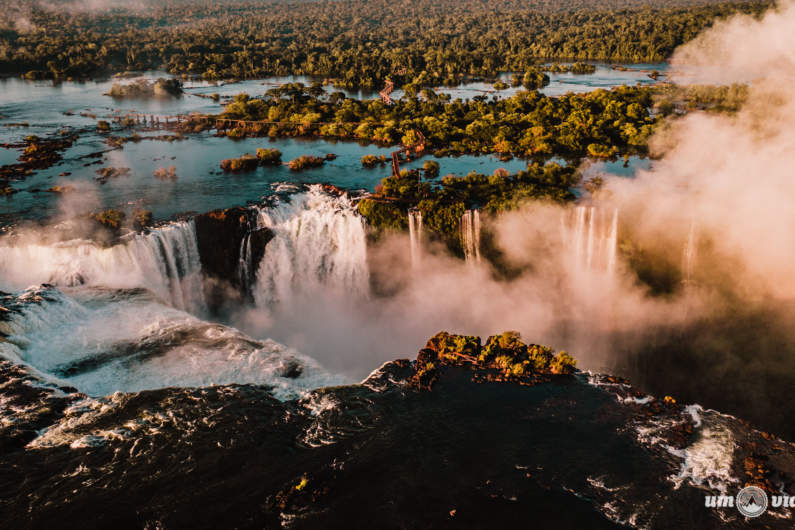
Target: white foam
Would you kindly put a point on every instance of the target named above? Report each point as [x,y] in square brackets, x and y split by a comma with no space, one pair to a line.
[708,460]
[165,261]
[319,245]
[135,343]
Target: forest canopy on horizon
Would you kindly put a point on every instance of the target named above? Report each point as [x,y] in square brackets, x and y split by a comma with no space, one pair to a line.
[357,43]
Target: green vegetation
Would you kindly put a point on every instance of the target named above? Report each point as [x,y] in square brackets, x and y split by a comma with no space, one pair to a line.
[503,358]
[305,162]
[534,79]
[106,173]
[528,124]
[244,163]
[269,157]
[576,68]
[357,43]
[442,204]
[431,169]
[142,218]
[372,160]
[110,218]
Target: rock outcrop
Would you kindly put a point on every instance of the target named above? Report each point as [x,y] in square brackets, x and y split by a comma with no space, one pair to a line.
[219,236]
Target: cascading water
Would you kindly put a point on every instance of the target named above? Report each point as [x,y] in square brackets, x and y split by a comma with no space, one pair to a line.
[165,261]
[689,254]
[591,236]
[415,236]
[244,267]
[319,245]
[470,235]
[101,341]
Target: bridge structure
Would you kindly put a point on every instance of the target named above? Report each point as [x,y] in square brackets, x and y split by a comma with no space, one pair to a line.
[416,147]
[389,88]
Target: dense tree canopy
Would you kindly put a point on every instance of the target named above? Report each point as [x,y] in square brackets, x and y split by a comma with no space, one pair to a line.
[357,43]
[598,124]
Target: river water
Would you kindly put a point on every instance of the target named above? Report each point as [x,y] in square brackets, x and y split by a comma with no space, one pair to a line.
[41,108]
[319,246]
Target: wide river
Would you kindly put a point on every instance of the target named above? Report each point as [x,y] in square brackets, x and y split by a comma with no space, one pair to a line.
[42,108]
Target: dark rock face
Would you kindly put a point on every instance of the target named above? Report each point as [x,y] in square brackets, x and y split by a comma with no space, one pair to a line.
[566,453]
[219,236]
[259,240]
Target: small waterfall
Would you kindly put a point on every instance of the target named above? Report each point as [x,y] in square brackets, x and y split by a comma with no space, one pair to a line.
[591,236]
[165,261]
[689,254]
[244,269]
[319,245]
[415,236]
[611,247]
[470,235]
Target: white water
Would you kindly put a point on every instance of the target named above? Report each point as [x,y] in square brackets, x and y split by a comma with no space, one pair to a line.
[244,266]
[102,341]
[689,254]
[319,245]
[590,235]
[470,235]
[165,261]
[415,237]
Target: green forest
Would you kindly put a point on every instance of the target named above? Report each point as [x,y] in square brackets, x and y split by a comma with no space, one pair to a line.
[600,124]
[352,43]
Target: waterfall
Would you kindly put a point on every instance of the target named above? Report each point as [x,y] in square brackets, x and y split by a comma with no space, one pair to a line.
[319,245]
[415,236]
[165,261]
[470,235]
[689,254]
[590,235]
[611,247]
[244,263]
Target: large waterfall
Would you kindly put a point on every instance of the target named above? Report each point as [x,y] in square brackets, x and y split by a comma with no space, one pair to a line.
[415,236]
[319,244]
[591,236]
[165,261]
[470,235]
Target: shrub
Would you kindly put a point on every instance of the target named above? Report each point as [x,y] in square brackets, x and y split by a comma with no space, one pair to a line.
[244,163]
[169,173]
[110,218]
[563,363]
[142,218]
[431,168]
[447,345]
[269,157]
[305,162]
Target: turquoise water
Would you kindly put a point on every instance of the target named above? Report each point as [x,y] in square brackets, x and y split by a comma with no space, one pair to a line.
[46,108]
[8,156]
[201,185]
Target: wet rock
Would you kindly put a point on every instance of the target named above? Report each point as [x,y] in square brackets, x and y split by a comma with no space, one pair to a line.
[219,235]
[144,88]
[290,369]
[106,173]
[166,174]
